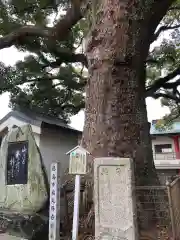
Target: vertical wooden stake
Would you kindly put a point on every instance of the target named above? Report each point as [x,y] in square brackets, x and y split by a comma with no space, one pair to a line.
[54,206]
[76,207]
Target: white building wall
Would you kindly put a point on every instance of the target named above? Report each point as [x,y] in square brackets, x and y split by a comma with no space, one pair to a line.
[163,140]
[54,144]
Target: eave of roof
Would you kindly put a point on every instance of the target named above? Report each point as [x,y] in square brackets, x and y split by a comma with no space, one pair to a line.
[173,130]
[38,119]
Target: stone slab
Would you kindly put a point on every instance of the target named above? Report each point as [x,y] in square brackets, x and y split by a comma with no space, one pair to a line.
[5,236]
[23,198]
[114,199]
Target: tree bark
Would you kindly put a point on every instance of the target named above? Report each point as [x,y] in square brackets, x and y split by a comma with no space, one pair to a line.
[116,118]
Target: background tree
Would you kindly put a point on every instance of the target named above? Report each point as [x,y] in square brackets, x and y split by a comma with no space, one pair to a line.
[119,35]
[58,94]
[46,81]
[164,61]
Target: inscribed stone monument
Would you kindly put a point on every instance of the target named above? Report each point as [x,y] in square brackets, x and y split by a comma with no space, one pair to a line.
[114,201]
[22,181]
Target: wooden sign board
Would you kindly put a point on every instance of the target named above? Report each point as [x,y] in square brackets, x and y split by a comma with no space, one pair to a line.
[17,163]
[78,161]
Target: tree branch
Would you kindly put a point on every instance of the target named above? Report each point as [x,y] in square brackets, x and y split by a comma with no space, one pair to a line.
[151,61]
[174,8]
[80,106]
[14,37]
[161,82]
[166,95]
[172,85]
[162,29]
[67,57]
[156,11]
[59,31]
[64,25]
[40,79]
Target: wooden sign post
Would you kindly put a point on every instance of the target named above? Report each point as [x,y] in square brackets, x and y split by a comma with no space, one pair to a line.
[77,167]
[54,209]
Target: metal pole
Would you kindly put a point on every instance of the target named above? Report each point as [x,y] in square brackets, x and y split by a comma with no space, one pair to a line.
[76,208]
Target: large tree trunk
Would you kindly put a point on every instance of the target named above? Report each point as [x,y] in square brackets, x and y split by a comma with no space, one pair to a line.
[116,118]
[116,121]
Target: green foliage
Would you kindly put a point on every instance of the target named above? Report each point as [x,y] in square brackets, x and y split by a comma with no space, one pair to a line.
[33,83]
[15,13]
[164,59]
[59,97]
[58,94]
[164,124]
[166,54]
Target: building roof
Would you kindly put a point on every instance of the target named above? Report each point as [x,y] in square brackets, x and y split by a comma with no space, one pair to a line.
[37,119]
[173,129]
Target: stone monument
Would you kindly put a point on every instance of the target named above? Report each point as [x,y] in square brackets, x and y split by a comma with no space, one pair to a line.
[23,189]
[22,182]
[115,213]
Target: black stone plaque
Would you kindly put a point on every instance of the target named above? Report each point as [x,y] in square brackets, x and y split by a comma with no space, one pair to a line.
[17,163]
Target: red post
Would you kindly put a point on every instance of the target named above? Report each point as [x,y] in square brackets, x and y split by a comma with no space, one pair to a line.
[176,147]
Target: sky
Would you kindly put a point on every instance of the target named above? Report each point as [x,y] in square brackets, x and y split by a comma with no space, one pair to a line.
[10,55]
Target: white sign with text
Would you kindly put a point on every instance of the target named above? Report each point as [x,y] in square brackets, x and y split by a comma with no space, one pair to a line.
[54,206]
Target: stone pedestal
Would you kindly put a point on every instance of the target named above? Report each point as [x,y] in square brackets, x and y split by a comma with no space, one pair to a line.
[115,215]
[5,236]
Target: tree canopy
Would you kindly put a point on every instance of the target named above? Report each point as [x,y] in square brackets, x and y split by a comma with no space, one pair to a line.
[51,78]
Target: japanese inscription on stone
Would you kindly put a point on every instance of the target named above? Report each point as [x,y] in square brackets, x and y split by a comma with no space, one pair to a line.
[114,180]
[17,163]
[114,206]
[54,208]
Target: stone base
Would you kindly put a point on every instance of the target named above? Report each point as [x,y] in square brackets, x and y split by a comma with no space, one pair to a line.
[5,236]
